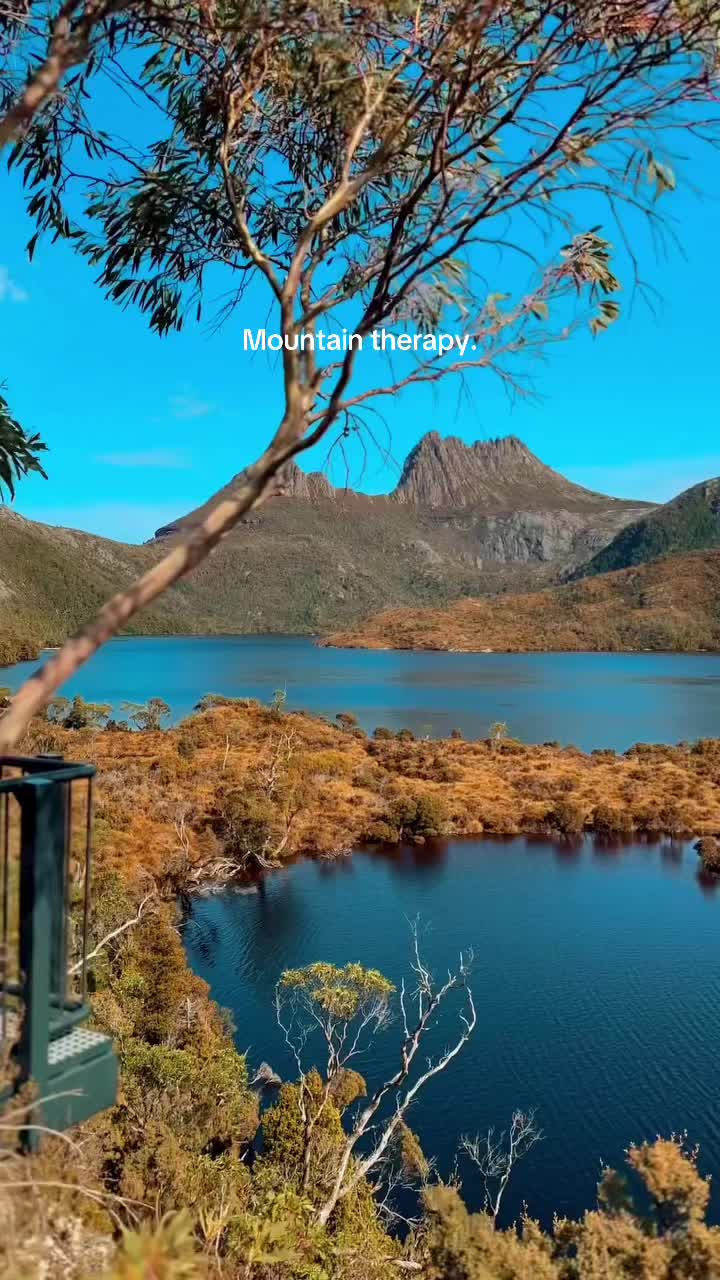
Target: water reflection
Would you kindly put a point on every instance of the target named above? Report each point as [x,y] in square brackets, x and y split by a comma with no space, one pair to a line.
[672,852]
[709,881]
[597,1003]
[569,850]
[411,859]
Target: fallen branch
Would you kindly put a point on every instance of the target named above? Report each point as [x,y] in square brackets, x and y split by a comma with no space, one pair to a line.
[115,933]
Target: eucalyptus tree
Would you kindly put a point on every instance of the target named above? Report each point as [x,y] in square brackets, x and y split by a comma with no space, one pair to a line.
[371,166]
[48,50]
[18,450]
[347,1008]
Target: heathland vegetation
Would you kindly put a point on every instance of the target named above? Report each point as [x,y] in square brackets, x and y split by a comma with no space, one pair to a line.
[249,785]
[196,1171]
[672,604]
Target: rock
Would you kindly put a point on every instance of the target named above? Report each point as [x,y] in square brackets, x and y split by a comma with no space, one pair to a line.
[266,1078]
[495,474]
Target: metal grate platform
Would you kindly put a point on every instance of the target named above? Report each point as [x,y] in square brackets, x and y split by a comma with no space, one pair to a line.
[76,1042]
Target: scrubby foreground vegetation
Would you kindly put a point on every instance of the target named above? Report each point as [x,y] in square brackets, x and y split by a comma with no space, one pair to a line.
[671,604]
[240,785]
[189,1175]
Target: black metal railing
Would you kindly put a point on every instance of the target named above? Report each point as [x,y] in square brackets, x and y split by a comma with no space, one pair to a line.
[46,822]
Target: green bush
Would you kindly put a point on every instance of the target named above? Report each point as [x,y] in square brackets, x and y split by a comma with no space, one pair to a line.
[567,817]
[418,816]
[246,825]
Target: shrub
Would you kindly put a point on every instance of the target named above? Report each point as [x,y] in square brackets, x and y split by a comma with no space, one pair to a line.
[278,704]
[246,825]
[210,701]
[567,817]
[442,771]
[379,831]
[609,821]
[419,815]
[672,820]
[647,820]
[708,849]
[155,981]
[368,776]
[334,764]
[346,720]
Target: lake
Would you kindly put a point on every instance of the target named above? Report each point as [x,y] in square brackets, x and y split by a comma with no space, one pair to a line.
[589,699]
[596,979]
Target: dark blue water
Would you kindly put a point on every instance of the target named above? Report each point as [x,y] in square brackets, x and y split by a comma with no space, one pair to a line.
[596,976]
[589,699]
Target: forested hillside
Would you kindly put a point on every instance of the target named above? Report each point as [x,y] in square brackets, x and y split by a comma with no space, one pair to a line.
[690,522]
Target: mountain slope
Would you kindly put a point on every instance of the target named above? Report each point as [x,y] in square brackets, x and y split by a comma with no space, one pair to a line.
[690,522]
[52,580]
[672,603]
[463,519]
[317,558]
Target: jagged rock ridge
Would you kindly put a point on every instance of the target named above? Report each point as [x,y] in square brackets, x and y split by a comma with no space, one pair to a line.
[493,477]
[463,519]
[493,474]
[291,482]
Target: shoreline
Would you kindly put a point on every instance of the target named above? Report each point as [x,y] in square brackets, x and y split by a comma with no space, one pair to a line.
[322,642]
[244,786]
[250,881]
[394,648]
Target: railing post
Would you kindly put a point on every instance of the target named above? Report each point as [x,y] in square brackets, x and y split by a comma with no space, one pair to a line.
[73,1068]
[41,898]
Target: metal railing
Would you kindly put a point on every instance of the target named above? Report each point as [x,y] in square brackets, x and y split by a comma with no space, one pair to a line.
[46,820]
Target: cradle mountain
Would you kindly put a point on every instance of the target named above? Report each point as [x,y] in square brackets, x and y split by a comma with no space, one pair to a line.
[463,520]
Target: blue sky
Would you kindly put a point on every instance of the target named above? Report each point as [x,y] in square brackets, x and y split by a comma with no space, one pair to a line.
[142,429]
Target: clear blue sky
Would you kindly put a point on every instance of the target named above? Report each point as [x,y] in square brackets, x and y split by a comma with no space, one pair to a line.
[141,429]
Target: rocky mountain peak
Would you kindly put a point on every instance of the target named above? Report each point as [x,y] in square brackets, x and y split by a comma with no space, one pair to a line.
[446,472]
[291,482]
[295,483]
[490,478]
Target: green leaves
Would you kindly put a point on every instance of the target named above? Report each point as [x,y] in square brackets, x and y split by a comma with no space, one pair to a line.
[18,451]
[588,266]
[340,992]
[147,716]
